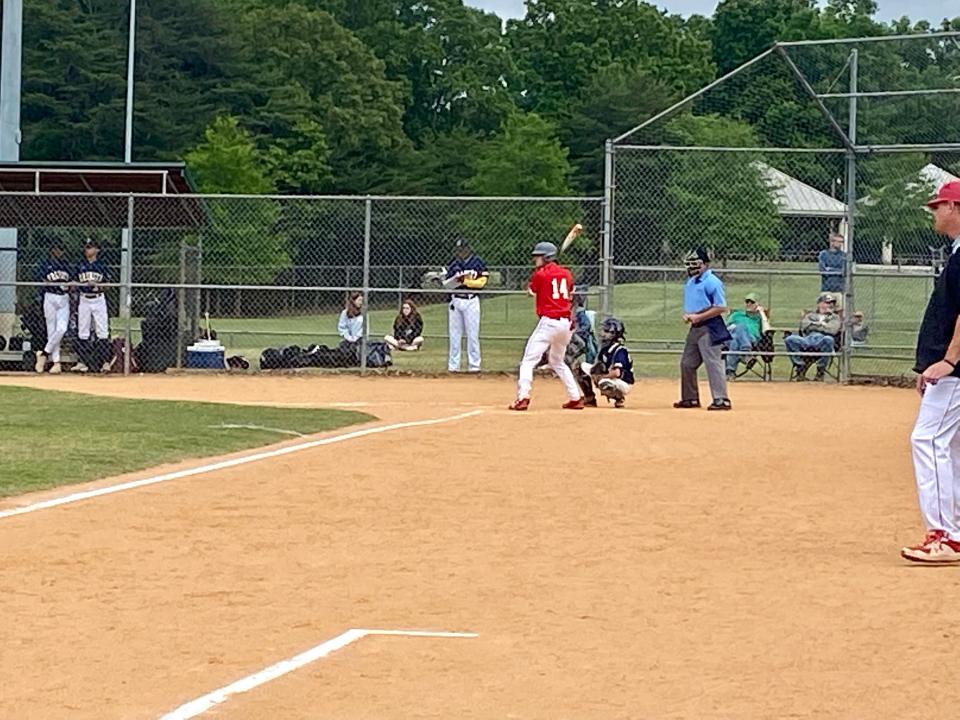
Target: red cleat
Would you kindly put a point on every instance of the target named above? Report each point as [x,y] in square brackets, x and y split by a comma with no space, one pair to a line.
[574,404]
[520,404]
[936,549]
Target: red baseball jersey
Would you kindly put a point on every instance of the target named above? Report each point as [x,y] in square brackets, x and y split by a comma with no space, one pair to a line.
[552,285]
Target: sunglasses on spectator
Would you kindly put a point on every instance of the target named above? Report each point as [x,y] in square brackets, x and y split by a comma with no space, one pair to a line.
[751,302]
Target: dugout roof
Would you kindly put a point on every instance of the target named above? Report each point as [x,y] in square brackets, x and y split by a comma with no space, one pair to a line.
[64,194]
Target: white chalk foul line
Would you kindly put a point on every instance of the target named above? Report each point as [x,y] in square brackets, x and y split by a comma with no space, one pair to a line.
[234,426]
[224,464]
[199,706]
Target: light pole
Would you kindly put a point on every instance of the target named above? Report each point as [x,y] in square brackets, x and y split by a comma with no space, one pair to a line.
[126,235]
[10,80]
[128,125]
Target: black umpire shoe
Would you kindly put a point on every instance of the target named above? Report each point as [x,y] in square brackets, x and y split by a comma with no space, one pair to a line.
[722,404]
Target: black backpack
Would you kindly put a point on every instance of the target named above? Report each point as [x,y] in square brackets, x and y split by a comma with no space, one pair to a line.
[271,359]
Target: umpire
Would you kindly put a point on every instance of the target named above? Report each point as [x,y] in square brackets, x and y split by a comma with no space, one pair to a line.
[704,304]
[936,453]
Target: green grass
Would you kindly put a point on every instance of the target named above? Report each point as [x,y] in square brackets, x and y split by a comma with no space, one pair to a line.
[651,311]
[57,438]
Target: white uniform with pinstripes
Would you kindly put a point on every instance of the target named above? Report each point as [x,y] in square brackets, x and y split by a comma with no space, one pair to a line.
[464,318]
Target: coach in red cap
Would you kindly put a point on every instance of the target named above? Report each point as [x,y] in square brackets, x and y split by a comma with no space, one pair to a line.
[936,447]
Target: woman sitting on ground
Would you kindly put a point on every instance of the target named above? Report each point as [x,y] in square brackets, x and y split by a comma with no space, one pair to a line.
[407,329]
[350,324]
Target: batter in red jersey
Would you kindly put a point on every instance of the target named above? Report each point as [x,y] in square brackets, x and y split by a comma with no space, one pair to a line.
[552,286]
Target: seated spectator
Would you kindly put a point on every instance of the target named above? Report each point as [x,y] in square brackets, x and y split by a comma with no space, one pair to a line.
[818,333]
[745,328]
[350,324]
[859,330]
[407,329]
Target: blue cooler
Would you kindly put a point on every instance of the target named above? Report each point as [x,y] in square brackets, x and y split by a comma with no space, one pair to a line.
[206,355]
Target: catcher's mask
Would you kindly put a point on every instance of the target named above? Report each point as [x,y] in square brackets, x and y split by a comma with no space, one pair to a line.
[695,261]
[612,330]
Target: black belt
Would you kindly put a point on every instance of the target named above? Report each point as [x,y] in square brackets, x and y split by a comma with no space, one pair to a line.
[463,296]
[55,292]
[92,296]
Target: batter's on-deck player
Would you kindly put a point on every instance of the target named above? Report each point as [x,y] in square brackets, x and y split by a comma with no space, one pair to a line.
[466,273]
[92,305]
[552,286]
[56,275]
[935,441]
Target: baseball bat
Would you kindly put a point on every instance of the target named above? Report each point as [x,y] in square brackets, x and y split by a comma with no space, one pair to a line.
[571,236]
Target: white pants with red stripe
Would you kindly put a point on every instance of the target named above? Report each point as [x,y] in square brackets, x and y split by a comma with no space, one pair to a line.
[553,335]
[936,456]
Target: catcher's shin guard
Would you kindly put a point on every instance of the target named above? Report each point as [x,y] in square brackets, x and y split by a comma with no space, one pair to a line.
[586,385]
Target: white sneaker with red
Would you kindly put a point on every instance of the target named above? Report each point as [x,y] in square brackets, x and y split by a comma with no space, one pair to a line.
[936,549]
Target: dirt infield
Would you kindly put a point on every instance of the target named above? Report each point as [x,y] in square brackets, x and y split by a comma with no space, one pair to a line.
[646,563]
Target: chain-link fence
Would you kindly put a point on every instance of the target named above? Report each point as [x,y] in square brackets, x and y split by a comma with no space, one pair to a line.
[808,140]
[275,272]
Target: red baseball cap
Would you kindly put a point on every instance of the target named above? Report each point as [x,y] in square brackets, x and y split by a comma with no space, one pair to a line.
[948,193]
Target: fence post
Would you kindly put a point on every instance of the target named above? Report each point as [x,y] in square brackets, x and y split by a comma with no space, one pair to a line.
[606,250]
[367,215]
[848,299]
[126,292]
[181,304]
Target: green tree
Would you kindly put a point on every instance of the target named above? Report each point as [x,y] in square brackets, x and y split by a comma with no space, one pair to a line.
[616,99]
[892,207]
[721,200]
[314,75]
[74,77]
[561,44]
[742,29]
[525,159]
[227,161]
[241,243]
[443,165]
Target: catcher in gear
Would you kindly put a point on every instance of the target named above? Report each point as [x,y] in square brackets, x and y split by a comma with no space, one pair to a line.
[612,373]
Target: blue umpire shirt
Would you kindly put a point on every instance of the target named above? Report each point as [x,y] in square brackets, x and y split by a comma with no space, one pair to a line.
[702,292]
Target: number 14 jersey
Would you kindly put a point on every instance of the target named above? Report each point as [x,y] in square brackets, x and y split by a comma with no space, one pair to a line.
[552,285]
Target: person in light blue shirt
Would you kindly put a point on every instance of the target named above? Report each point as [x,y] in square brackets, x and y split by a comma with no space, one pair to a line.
[350,324]
[704,303]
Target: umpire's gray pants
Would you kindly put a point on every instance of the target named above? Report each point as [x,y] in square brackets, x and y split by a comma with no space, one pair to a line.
[700,351]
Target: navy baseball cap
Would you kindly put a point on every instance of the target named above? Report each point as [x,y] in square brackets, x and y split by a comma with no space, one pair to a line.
[90,242]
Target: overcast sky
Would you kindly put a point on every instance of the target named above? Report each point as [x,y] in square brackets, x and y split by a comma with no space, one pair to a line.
[933,10]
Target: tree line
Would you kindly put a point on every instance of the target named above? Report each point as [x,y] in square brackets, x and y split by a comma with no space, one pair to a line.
[437,98]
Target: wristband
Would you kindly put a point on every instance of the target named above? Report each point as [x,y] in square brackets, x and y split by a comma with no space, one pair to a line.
[950,363]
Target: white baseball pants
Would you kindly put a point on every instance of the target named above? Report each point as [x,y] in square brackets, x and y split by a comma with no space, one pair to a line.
[95,310]
[553,335]
[56,311]
[936,456]
[464,318]
[621,385]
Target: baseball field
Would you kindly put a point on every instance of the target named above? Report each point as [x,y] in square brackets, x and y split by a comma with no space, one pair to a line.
[444,558]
